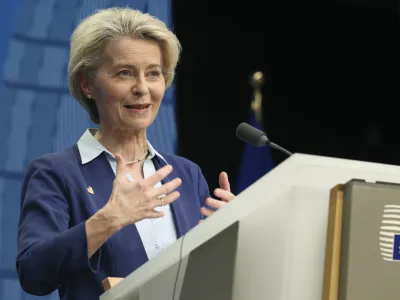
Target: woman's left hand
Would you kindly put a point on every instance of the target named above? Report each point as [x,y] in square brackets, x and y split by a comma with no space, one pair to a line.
[223,192]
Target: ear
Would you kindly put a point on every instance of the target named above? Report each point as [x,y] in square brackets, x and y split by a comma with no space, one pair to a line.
[85,85]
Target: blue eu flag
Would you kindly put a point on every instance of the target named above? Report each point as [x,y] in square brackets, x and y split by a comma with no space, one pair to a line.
[255,163]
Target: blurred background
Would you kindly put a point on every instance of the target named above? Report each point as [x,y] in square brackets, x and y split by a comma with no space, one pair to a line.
[331,74]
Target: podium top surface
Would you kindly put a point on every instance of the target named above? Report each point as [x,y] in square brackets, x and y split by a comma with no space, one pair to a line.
[308,159]
[327,168]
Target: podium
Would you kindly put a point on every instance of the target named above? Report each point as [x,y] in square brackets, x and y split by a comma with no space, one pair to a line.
[310,229]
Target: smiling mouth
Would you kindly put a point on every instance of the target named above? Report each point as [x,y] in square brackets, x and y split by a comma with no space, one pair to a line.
[137,107]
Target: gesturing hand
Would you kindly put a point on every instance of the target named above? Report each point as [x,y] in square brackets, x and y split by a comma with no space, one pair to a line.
[223,192]
[132,201]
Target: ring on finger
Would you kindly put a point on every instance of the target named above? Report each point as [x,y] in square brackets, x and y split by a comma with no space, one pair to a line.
[161,198]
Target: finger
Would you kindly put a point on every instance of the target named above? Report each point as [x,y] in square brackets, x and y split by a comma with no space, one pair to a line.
[214,203]
[224,182]
[166,200]
[224,195]
[165,189]
[206,211]
[159,175]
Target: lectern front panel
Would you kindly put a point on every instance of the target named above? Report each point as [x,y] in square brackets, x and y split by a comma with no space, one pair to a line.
[370,254]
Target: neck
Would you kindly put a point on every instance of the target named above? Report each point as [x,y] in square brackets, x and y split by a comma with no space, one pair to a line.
[130,144]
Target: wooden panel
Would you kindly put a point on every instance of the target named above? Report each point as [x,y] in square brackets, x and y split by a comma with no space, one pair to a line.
[333,243]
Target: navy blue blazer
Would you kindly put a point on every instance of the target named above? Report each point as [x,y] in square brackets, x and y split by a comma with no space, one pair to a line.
[55,203]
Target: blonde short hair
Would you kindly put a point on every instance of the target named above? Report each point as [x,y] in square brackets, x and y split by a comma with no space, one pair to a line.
[94,33]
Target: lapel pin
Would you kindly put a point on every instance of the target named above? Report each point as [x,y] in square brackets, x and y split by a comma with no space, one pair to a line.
[90,190]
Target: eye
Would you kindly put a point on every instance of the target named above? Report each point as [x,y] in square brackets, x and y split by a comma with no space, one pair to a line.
[155,73]
[124,73]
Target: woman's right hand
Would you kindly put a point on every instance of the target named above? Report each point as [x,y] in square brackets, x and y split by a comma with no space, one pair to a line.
[132,201]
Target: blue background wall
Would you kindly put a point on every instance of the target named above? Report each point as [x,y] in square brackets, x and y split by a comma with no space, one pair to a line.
[37,113]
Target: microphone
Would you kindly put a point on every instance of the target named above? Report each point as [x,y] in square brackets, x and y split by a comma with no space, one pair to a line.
[256,137]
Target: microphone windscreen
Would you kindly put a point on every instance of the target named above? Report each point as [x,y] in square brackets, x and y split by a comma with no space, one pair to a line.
[251,135]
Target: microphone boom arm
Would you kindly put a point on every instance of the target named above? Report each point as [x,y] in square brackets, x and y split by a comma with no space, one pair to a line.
[277,147]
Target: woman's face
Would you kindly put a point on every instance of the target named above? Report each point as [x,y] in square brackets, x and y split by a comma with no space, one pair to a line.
[129,85]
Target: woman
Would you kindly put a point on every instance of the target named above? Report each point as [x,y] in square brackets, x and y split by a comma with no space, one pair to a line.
[111,202]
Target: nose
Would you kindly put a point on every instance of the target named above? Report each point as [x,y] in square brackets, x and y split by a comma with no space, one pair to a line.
[140,87]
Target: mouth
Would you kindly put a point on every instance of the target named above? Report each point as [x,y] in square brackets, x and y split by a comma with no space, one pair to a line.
[137,108]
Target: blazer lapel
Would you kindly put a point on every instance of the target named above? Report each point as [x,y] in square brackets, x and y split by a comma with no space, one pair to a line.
[177,209]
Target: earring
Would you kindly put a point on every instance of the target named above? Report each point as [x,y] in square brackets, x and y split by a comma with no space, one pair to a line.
[89,97]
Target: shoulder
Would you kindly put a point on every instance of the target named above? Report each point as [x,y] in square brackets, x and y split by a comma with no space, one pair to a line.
[48,172]
[55,161]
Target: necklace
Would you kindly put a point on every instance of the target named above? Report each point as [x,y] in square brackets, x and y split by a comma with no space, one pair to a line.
[137,160]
